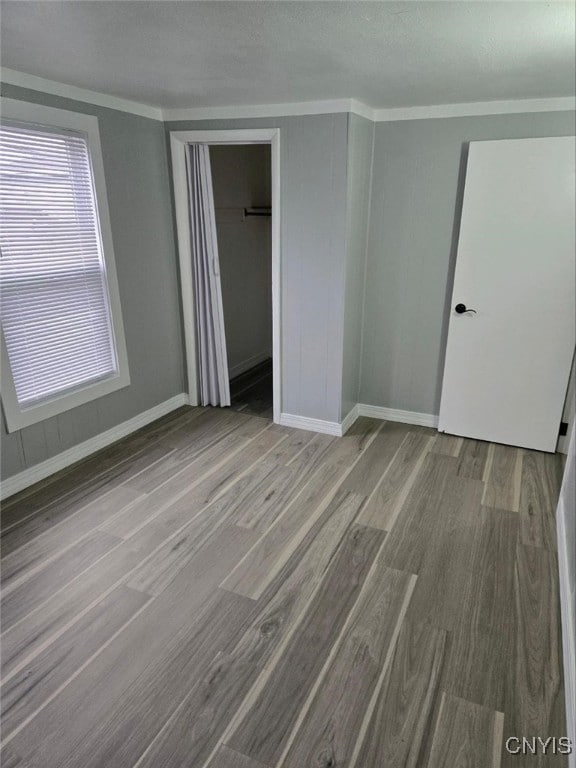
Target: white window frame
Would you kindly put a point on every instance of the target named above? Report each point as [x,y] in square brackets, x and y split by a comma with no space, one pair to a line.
[17,417]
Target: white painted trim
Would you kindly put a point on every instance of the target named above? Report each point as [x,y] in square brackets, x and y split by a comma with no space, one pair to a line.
[179,180]
[246,365]
[287,109]
[393,414]
[16,417]
[475,108]
[349,419]
[377,115]
[178,142]
[568,626]
[228,136]
[277,348]
[373,411]
[313,425]
[362,110]
[62,460]
[34,83]
[565,542]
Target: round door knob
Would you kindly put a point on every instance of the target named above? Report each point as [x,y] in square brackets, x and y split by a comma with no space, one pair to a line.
[461,308]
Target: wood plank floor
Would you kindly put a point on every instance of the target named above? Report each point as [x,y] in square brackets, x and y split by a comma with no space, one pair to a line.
[216,591]
[251,392]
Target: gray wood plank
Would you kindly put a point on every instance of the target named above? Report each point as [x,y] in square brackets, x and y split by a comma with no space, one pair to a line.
[234,677]
[466,735]
[436,488]
[388,497]
[271,552]
[310,459]
[55,575]
[300,448]
[79,484]
[31,523]
[447,445]
[262,564]
[328,727]
[203,479]
[359,436]
[210,431]
[229,758]
[27,691]
[375,460]
[257,506]
[541,481]
[262,734]
[9,759]
[21,563]
[472,459]
[503,476]
[139,679]
[482,644]
[443,586]
[180,547]
[28,636]
[219,482]
[400,716]
[534,696]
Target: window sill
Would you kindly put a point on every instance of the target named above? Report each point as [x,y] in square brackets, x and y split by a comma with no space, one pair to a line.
[19,418]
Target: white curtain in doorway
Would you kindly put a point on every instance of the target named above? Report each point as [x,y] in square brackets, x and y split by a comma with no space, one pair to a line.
[210,336]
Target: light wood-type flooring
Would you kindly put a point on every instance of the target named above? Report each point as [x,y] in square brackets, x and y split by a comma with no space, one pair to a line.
[216,591]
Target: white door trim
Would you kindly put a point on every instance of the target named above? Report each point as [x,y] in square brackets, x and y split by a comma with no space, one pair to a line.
[178,142]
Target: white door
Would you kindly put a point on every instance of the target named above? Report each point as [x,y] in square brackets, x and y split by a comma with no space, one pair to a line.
[508,361]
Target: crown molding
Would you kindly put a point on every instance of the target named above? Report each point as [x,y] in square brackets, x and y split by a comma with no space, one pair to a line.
[286,109]
[289,109]
[475,109]
[362,110]
[34,83]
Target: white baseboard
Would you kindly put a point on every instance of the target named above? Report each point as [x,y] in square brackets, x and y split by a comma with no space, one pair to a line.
[313,425]
[568,630]
[62,460]
[349,419]
[245,365]
[393,414]
[374,411]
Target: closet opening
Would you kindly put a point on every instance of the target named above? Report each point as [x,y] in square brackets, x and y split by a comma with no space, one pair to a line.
[242,186]
[226,187]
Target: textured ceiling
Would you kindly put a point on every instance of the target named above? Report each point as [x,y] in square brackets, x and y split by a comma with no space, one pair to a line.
[387,54]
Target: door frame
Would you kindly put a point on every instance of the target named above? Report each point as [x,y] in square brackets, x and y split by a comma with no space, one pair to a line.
[178,143]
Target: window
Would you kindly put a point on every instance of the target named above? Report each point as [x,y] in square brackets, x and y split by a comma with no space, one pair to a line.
[63,342]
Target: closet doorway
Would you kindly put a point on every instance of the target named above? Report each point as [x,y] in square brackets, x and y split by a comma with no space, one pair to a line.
[227,215]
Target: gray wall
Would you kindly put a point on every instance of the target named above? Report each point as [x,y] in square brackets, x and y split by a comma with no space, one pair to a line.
[138,186]
[360,144]
[416,195]
[241,179]
[313,155]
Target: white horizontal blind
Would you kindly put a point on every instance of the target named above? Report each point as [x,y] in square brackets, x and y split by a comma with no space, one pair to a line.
[55,304]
